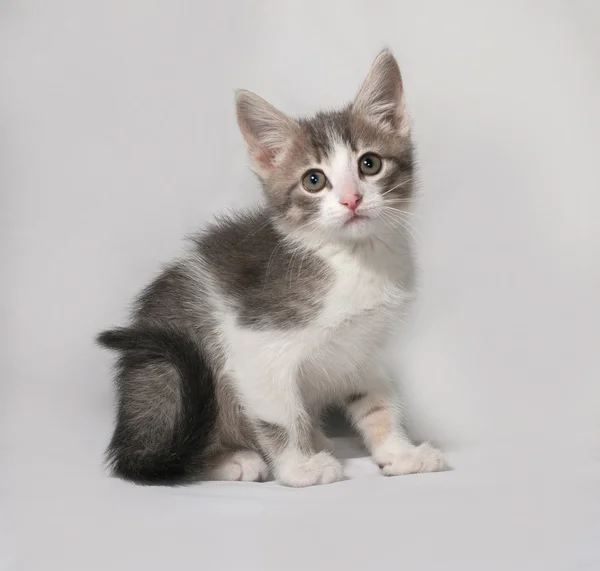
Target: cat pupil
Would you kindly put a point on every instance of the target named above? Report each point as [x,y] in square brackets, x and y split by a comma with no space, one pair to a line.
[314,178]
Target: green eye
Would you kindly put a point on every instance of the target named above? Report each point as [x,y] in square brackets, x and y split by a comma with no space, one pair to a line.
[369,164]
[314,181]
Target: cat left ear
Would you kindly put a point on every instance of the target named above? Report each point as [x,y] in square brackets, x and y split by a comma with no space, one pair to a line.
[266,130]
[381,97]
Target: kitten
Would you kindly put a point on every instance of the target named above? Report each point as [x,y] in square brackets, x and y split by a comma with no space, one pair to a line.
[235,349]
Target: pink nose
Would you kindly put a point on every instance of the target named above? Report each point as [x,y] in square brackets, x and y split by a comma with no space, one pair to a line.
[351,201]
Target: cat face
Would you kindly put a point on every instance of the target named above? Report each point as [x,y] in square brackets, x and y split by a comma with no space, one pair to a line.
[343,174]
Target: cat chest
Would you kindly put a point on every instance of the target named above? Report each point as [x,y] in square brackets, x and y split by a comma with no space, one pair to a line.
[358,291]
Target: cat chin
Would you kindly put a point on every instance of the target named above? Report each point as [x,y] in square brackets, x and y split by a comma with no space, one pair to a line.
[360,228]
[356,231]
[359,232]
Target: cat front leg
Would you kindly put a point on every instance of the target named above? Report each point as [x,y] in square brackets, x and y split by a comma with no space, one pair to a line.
[320,440]
[375,412]
[285,433]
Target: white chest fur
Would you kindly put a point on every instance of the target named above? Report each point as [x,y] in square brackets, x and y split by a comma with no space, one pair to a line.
[359,309]
[367,281]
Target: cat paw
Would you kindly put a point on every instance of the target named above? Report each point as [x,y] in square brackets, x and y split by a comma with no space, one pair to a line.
[413,460]
[240,466]
[322,468]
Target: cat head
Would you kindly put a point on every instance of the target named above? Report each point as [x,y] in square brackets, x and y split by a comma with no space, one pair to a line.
[343,174]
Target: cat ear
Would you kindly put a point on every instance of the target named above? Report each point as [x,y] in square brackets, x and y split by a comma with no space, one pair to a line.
[381,96]
[266,130]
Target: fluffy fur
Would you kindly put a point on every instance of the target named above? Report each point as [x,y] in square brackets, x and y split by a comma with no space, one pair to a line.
[236,349]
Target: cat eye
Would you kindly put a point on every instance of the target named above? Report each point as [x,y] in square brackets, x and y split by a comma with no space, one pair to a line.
[314,181]
[369,164]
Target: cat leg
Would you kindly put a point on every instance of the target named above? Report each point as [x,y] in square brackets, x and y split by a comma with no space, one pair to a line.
[285,432]
[294,456]
[320,441]
[376,414]
[239,465]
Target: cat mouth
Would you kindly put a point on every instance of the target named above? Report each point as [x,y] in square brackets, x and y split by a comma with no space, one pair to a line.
[356,219]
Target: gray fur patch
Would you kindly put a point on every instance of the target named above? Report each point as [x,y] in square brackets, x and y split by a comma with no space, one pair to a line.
[270,284]
[273,437]
[166,300]
[323,125]
[233,427]
[153,402]
[354,397]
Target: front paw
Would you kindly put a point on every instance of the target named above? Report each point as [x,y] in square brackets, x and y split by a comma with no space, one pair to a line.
[299,472]
[412,460]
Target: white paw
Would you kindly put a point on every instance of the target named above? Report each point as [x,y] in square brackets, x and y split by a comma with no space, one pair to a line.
[299,472]
[413,460]
[241,465]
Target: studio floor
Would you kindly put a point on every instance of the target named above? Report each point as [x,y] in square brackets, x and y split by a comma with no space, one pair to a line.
[486,513]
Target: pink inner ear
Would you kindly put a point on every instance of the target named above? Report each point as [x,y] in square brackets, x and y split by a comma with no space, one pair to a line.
[266,158]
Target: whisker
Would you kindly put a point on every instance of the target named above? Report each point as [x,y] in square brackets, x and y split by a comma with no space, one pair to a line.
[301,262]
[403,212]
[402,223]
[402,183]
[306,250]
[269,263]
[411,229]
[257,230]
[289,271]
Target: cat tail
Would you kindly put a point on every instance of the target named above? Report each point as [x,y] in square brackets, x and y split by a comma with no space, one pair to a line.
[167,408]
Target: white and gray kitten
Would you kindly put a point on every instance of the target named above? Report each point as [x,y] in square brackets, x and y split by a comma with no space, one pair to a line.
[235,350]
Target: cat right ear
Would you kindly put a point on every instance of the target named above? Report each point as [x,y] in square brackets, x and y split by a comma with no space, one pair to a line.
[266,130]
[381,97]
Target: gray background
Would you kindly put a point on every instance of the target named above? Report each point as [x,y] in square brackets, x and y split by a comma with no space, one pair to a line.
[118,136]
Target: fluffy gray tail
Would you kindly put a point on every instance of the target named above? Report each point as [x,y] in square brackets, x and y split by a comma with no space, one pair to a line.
[167,407]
